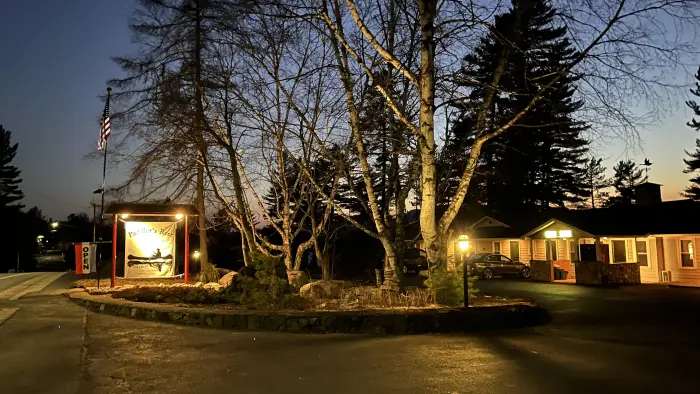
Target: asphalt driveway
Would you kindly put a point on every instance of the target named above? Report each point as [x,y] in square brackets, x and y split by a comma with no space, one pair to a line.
[629,340]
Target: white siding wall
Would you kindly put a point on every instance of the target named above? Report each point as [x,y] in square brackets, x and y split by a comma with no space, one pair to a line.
[562,250]
[630,248]
[505,248]
[483,246]
[525,253]
[649,274]
[689,276]
[540,250]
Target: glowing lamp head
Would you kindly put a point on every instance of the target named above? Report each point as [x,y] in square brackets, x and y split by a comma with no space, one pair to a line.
[125,215]
[463,242]
[179,216]
[54,225]
[195,254]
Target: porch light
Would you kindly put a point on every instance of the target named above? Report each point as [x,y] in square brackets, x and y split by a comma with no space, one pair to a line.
[463,242]
[125,215]
[565,234]
[195,254]
[178,216]
[550,234]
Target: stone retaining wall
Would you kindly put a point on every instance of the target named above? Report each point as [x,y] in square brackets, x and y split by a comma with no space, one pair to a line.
[377,322]
[599,273]
[541,271]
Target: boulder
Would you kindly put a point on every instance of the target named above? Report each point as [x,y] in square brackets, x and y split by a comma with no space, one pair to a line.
[213,286]
[222,271]
[297,279]
[320,290]
[227,279]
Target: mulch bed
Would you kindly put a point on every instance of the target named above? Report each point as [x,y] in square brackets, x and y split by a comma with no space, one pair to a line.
[171,292]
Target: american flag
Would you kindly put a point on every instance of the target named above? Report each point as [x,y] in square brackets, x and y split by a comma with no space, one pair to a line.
[105,128]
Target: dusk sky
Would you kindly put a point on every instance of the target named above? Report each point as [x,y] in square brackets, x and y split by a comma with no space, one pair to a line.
[57,59]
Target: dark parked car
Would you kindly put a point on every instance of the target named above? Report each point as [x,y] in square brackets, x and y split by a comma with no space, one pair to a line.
[50,259]
[415,260]
[488,265]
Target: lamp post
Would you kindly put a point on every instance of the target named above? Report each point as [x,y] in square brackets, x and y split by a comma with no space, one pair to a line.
[463,242]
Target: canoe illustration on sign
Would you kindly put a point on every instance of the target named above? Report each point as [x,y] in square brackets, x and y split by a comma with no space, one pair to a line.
[156,260]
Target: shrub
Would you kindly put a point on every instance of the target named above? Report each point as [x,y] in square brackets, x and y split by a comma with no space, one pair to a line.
[209,273]
[262,285]
[447,288]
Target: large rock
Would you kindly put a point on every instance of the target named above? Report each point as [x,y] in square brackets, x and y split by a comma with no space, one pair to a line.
[222,271]
[297,279]
[320,290]
[227,279]
[213,286]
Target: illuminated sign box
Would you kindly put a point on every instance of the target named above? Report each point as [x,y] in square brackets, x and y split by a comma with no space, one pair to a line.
[560,234]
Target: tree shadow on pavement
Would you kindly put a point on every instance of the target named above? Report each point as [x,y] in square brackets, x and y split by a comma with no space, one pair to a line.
[552,376]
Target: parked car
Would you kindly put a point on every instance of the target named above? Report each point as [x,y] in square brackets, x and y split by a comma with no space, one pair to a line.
[50,259]
[415,260]
[488,265]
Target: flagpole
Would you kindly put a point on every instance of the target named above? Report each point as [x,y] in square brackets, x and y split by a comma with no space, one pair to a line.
[102,204]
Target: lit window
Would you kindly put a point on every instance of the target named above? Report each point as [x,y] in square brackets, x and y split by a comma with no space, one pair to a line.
[550,234]
[687,253]
[565,234]
[642,256]
[497,247]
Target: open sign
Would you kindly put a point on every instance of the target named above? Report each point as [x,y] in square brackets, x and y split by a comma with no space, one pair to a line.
[85,258]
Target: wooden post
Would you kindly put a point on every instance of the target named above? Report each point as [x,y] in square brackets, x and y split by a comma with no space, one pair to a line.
[598,251]
[187,252]
[113,279]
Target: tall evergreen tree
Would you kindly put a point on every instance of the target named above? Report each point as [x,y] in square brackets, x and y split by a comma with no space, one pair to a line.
[594,182]
[10,193]
[539,162]
[627,176]
[692,164]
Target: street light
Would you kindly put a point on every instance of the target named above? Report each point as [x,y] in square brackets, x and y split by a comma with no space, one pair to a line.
[195,255]
[54,225]
[463,242]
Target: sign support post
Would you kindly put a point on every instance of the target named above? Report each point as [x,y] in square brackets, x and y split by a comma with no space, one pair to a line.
[113,279]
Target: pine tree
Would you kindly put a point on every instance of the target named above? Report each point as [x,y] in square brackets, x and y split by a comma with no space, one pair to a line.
[627,176]
[10,193]
[539,161]
[693,162]
[594,182]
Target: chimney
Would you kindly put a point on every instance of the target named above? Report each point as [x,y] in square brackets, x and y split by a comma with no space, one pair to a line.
[647,194]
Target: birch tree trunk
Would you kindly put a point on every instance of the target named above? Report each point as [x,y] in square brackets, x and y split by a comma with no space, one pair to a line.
[393,281]
[426,142]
